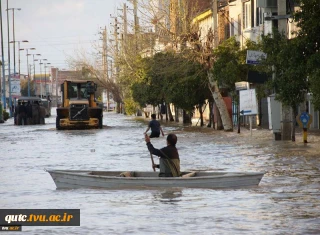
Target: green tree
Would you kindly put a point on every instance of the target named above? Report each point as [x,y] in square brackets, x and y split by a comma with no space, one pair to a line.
[229,66]
[150,80]
[171,78]
[314,79]
[308,40]
[285,59]
[188,80]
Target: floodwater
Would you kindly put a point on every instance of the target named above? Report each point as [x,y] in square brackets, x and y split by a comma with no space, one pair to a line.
[287,201]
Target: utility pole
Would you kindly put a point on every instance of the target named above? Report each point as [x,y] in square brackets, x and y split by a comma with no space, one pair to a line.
[3,88]
[29,74]
[115,35]
[125,27]
[105,61]
[285,111]
[215,22]
[105,54]
[115,74]
[9,77]
[57,70]
[116,56]
[136,22]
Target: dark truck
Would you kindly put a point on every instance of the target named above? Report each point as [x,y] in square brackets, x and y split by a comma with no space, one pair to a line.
[29,111]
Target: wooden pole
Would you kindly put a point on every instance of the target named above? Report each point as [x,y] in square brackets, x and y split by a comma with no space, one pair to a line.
[154,169]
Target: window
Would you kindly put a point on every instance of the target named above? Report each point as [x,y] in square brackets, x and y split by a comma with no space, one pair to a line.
[246,15]
[239,24]
[259,16]
[227,30]
[232,27]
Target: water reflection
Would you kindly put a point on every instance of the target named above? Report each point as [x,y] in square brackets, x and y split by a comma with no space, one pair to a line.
[168,195]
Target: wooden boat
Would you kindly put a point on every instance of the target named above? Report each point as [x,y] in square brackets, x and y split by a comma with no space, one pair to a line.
[138,179]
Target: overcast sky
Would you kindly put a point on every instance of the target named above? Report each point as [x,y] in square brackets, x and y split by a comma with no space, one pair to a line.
[56,28]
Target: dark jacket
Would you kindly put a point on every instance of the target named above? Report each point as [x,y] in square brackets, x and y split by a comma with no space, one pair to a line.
[155,126]
[166,165]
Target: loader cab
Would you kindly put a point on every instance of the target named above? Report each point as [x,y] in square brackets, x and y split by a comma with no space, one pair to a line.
[79,107]
[77,90]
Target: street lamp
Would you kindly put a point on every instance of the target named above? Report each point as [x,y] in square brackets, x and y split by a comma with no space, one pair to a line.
[18,51]
[34,72]
[27,49]
[45,78]
[51,88]
[9,77]
[41,76]
[3,88]
[13,34]
[56,70]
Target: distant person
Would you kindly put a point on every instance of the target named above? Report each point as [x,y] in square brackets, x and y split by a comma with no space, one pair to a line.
[155,127]
[169,156]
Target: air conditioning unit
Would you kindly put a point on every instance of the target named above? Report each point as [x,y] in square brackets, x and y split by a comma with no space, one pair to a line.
[267,3]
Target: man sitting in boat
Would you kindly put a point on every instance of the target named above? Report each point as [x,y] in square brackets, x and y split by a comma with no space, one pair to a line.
[169,157]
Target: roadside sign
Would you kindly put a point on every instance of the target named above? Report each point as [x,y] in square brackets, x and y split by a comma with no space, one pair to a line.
[15,87]
[304,120]
[242,86]
[248,102]
[254,57]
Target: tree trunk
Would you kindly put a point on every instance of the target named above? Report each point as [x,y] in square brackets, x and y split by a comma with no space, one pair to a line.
[201,115]
[160,116]
[166,109]
[171,119]
[285,123]
[260,112]
[221,105]
[186,117]
[139,113]
[219,125]
[294,115]
[118,107]
[210,114]
[176,117]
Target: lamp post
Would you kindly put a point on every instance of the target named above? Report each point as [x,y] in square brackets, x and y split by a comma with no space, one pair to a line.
[9,77]
[34,72]
[45,78]
[27,49]
[13,35]
[56,83]
[41,75]
[3,88]
[14,52]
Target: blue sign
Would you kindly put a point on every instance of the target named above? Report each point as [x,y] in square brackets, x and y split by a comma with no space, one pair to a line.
[304,118]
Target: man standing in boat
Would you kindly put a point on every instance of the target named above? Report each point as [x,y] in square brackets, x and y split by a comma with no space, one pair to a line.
[169,157]
[155,127]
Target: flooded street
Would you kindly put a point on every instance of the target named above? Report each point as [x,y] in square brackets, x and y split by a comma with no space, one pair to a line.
[287,201]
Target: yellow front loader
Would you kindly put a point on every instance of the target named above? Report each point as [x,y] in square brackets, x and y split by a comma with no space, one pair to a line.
[79,109]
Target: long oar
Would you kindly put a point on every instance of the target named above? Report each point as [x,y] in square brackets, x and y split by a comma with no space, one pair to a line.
[154,169]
